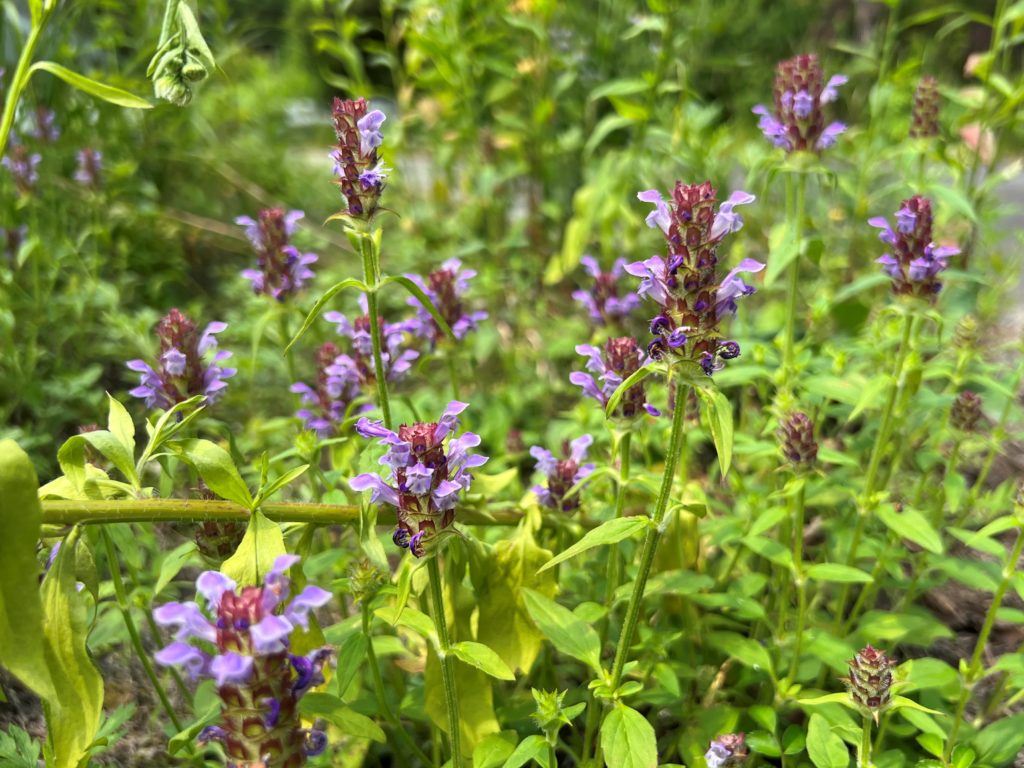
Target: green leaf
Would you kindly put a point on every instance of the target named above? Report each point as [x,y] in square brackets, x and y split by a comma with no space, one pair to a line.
[829,698]
[278,483]
[333,710]
[21,613]
[609,532]
[566,632]
[262,544]
[172,563]
[329,294]
[531,748]
[492,752]
[483,658]
[912,525]
[121,426]
[747,651]
[825,748]
[504,623]
[408,617]
[73,715]
[718,414]
[351,657]
[92,87]
[634,378]
[113,450]
[902,702]
[424,300]
[843,574]
[217,469]
[628,739]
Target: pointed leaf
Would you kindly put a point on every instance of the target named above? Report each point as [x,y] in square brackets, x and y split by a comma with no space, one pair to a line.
[628,739]
[609,532]
[92,87]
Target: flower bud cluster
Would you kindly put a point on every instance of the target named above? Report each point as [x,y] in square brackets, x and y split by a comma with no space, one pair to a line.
[361,174]
[608,368]
[925,115]
[796,437]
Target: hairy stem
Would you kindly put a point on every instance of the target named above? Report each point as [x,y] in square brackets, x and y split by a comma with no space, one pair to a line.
[788,352]
[451,699]
[650,545]
[371,276]
[798,577]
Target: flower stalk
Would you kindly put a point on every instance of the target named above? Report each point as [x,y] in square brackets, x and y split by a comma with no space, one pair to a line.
[369,248]
[788,351]
[451,699]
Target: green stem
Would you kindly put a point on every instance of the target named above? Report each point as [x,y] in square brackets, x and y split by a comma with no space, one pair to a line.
[864,756]
[18,82]
[371,276]
[133,632]
[881,443]
[650,545]
[799,578]
[396,730]
[67,512]
[975,668]
[614,577]
[451,699]
[788,352]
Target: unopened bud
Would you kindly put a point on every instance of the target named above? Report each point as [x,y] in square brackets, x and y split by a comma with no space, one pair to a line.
[870,680]
[966,411]
[796,437]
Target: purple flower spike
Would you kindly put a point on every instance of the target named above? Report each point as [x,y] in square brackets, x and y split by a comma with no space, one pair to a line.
[90,168]
[361,174]
[604,302]
[181,371]
[445,287]
[685,284]
[608,368]
[915,261]
[798,122]
[423,480]
[282,270]
[253,669]
[562,474]
[22,165]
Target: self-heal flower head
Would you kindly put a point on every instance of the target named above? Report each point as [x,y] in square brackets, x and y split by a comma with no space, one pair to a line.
[607,368]
[188,364]
[870,680]
[446,287]
[693,299]
[966,413]
[603,300]
[924,119]
[89,172]
[424,476]
[914,261]
[361,174]
[324,404]
[45,128]
[240,638]
[23,166]
[798,120]
[282,269]
[729,749]
[796,438]
[562,474]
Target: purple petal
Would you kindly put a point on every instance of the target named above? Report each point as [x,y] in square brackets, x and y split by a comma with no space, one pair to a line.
[230,668]
[212,585]
[269,634]
[182,655]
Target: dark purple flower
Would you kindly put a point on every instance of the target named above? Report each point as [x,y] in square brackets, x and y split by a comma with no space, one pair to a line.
[562,474]
[90,168]
[22,165]
[446,287]
[11,240]
[181,371]
[608,369]
[924,121]
[361,174]
[914,263]
[45,127]
[798,122]
[258,680]
[693,299]
[282,269]
[603,301]
[425,476]
[727,750]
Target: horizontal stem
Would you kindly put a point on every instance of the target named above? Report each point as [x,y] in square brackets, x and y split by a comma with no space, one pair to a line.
[64,512]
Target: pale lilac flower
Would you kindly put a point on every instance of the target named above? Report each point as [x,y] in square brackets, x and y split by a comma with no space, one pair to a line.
[562,474]
[603,301]
[446,287]
[282,269]
[798,122]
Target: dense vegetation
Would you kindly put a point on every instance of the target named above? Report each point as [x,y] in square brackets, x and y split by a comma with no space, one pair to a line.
[487,383]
